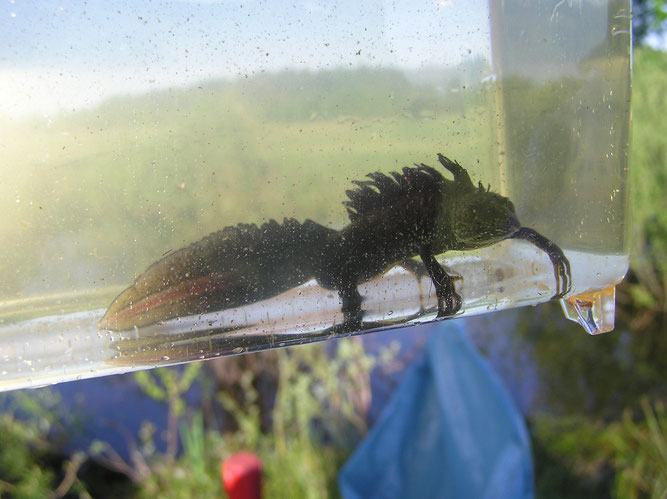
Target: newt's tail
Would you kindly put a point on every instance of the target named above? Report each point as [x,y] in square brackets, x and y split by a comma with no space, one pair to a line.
[230,268]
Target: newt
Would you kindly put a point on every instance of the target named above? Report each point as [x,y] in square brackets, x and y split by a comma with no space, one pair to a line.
[393,218]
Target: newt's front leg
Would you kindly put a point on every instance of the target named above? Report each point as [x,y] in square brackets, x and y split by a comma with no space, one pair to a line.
[558,259]
[449,301]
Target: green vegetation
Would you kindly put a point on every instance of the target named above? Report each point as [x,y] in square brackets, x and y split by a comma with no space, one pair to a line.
[34,427]
[25,450]
[578,457]
[649,177]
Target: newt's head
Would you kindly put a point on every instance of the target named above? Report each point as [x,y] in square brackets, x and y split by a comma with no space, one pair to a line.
[482,218]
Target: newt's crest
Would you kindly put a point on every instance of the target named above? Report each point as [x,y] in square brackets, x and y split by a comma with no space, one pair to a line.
[384,190]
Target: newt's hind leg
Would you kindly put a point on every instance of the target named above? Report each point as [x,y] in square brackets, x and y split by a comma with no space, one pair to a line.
[449,301]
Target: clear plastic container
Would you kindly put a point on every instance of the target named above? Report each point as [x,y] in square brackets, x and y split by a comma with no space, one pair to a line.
[132,131]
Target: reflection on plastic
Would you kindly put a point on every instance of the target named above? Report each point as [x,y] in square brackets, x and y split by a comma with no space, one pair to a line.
[595,311]
[450,430]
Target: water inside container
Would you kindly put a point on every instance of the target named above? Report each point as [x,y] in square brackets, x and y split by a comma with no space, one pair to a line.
[133,133]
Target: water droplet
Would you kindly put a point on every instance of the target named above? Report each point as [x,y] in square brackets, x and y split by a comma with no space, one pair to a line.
[594,311]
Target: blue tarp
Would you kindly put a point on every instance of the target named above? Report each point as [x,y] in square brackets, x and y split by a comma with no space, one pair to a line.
[450,430]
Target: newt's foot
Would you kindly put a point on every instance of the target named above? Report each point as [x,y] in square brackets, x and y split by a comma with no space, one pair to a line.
[449,301]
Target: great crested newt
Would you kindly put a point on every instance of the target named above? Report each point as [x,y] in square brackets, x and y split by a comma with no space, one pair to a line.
[395,217]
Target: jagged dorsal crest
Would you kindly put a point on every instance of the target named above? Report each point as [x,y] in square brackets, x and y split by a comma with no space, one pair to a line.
[384,190]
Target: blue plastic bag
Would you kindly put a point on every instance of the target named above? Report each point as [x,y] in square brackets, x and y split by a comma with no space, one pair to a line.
[450,430]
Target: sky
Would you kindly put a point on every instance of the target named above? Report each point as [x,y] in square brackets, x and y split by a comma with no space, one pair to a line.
[66,55]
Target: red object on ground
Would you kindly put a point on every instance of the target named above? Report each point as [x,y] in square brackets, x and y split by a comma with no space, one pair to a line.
[242,476]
